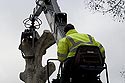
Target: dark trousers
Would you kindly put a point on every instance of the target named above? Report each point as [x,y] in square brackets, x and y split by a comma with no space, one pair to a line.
[66,71]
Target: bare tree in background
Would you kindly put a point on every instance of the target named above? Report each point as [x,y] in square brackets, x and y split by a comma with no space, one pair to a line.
[123,73]
[115,8]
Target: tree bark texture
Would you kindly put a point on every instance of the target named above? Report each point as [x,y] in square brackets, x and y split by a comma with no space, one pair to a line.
[34,71]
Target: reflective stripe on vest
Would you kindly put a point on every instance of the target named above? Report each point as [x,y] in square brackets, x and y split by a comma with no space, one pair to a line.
[74,44]
[100,46]
[62,55]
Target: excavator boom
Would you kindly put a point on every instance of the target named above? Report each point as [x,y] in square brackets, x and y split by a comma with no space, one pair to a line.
[56,19]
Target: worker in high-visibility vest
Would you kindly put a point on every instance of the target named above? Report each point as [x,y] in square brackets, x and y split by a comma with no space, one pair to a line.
[68,45]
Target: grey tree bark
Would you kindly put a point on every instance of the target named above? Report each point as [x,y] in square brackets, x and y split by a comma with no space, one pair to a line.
[34,71]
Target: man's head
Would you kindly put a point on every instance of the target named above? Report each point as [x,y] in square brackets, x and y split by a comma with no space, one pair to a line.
[68,27]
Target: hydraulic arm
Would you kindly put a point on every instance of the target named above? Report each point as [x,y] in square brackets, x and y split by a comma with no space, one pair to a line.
[56,19]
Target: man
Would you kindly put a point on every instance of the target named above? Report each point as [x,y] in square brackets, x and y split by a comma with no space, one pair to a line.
[68,45]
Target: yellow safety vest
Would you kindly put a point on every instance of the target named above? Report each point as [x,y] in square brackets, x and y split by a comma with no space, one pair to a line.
[68,45]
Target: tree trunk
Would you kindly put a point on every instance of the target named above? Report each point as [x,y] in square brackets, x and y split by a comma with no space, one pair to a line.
[34,71]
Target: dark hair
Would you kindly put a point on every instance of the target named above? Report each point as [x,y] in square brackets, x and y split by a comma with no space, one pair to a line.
[68,27]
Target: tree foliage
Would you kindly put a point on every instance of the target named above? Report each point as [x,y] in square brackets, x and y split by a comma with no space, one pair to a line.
[115,8]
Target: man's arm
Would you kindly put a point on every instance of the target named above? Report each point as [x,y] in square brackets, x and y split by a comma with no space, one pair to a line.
[62,49]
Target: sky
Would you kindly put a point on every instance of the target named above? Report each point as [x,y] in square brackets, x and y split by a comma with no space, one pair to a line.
[12,13]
